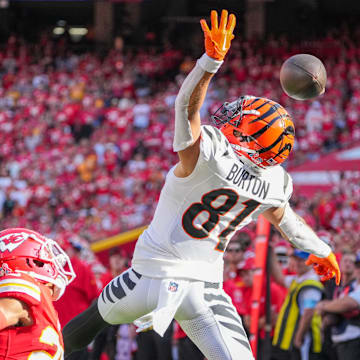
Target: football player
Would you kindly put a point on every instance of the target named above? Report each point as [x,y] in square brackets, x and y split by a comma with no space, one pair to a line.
[34,272]
[224,179]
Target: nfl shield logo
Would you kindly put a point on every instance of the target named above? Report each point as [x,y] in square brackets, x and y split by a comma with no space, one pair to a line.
[173,286]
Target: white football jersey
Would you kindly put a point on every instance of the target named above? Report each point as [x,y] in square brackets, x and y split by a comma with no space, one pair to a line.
[196,216]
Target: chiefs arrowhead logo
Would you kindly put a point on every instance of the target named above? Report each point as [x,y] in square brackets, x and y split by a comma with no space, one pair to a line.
[11,241]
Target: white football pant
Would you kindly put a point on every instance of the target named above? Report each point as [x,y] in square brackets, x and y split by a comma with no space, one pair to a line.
[206,314]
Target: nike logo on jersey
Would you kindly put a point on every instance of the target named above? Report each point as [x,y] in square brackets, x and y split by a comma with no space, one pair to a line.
[250,183]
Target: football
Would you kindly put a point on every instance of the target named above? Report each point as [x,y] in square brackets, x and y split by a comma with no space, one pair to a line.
[303,77]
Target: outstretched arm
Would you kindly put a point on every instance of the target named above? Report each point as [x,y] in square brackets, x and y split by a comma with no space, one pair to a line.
[296,231]
[193,91]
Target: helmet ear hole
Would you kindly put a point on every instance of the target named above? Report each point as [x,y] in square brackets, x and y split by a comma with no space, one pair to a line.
[236,133]
[38,263]
[240,136]
[289,131]
[32,262]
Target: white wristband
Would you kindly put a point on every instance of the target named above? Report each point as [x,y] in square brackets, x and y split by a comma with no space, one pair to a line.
[209,64]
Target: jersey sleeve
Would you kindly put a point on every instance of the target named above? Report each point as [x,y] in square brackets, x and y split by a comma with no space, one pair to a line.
[20,287]
[213,144]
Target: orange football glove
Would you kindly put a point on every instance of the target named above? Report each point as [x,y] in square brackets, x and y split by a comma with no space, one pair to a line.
[218,39]
[325,267]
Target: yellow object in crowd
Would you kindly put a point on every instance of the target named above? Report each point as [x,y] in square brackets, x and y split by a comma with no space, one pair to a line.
[289,316]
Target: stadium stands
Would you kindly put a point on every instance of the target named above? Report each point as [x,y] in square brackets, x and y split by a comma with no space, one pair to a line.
[86,140]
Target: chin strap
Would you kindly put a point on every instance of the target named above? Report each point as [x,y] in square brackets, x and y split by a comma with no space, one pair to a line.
[249,165]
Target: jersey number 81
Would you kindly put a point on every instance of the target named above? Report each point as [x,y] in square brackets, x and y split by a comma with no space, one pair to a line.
[215,213]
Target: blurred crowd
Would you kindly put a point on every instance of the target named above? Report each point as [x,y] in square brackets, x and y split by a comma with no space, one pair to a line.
[86,139]
[86,142]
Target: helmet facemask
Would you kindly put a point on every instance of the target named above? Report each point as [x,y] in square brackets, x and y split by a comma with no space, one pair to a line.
[61,262]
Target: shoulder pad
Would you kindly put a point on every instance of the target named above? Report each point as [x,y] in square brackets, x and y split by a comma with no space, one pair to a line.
[20,286]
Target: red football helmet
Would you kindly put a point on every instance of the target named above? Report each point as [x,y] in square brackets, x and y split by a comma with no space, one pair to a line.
[26,251]
[258,129]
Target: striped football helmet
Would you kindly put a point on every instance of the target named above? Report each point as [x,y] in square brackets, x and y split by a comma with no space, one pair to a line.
[258,129]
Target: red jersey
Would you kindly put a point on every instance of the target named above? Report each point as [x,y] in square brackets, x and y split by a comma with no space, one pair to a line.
[41,340]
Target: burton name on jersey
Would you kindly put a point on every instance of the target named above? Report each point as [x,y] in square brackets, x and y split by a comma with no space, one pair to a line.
[241,177]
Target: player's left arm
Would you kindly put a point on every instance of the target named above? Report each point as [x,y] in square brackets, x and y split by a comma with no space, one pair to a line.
[296,231]
[13,311]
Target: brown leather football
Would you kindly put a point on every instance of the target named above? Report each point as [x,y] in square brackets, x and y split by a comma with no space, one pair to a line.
[303,77]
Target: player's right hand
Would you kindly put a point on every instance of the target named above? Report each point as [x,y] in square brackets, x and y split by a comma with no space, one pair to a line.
[326,267]
[218,39]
